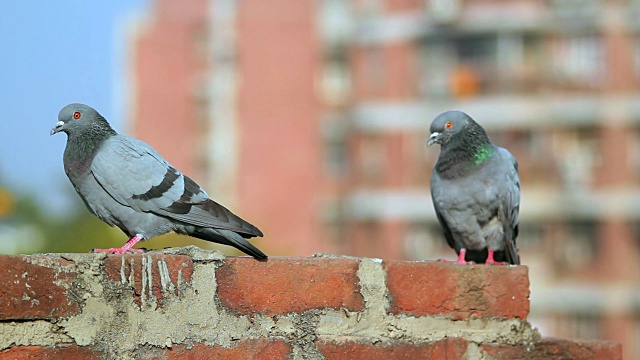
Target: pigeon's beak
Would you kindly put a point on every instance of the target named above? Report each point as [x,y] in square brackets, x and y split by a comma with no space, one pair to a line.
[434,138]
[57,128]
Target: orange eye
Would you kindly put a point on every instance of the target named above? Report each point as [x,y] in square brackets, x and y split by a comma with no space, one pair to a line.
[448,125]
[76,115]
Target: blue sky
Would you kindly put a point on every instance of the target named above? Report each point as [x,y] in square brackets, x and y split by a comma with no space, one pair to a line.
[55,53]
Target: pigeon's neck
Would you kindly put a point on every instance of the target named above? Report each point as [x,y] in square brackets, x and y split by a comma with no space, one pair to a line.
[464,156]
[82,148]
[482,154]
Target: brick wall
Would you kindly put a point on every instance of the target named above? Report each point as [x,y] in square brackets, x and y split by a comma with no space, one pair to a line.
[195,304]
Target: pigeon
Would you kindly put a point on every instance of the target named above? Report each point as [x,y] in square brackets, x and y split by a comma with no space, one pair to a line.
[475,189]
[126,183]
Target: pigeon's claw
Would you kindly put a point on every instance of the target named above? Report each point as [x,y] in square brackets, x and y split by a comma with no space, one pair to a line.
[127,247]
[491,261]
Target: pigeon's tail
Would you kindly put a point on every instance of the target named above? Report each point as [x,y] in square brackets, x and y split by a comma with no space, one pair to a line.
[228,237]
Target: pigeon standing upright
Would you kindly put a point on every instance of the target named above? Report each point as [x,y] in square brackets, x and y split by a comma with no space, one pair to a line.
[126,183]
[475,190]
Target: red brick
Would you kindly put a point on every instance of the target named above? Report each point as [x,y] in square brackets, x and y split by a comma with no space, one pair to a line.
[458,291]
[448,349]
[44,353]
[284,285]
[35,287]
[180,269]
[552,348]
[255,349]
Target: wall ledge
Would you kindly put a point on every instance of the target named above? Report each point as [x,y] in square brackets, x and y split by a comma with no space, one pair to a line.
[192,302]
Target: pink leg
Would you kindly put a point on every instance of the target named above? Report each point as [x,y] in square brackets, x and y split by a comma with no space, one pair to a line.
[461,257]
[491,261]
[128,246]
[460,260]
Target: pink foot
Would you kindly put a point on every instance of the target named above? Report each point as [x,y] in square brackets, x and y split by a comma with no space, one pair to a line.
[461,259]
[127,247]
[491,261]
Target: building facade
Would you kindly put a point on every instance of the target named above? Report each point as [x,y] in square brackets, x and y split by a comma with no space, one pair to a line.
[310,119]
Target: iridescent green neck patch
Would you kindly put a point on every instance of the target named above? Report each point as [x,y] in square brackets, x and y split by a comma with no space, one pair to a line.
[482,154]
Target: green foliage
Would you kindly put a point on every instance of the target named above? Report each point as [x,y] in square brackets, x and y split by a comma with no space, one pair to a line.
[78,232]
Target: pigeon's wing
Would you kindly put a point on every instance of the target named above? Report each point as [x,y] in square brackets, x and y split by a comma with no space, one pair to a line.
[445,228]
[511,206]
[135,175]
[507,193]
[435,183]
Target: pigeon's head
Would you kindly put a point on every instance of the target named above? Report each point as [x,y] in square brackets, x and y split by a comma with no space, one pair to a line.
[75,117]
[446,125]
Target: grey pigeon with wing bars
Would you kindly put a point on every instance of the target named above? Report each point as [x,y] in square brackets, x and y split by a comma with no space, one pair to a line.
[126,183]
[475,189]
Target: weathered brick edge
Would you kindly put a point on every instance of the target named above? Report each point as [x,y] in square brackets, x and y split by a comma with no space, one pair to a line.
[188,302]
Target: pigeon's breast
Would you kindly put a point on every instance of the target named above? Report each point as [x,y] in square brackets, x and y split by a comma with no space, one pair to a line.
[107,209]
[96,199]
[76,168]
[77,159]
[471,198]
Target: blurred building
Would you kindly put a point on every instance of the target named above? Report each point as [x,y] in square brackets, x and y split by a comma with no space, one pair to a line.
[310,118]
[225,90]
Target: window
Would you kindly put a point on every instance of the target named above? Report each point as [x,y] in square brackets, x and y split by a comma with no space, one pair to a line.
[577,249]
[530,236]
[580,156]
[538,163]
[336,80]
[336,148]
[463,65]
[581,326]
[636,235]
[578,61]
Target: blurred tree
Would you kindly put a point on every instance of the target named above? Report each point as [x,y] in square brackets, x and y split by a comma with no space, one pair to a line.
[77,231]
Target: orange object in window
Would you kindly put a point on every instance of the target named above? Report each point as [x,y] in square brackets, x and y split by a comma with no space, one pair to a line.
[464,82]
